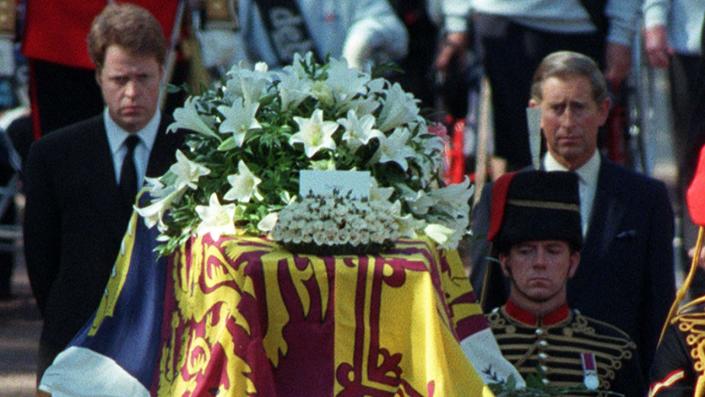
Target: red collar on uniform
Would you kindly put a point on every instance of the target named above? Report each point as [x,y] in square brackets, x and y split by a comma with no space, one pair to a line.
[559,314]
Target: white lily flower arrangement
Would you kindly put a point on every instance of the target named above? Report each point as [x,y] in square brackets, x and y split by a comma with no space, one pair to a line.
[249,135]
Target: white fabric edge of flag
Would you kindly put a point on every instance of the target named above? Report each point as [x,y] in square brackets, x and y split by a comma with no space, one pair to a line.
[81,372]
[482,350]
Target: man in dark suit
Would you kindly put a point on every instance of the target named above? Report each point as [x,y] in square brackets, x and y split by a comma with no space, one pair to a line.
[81,180]
[54,43]
[625,276]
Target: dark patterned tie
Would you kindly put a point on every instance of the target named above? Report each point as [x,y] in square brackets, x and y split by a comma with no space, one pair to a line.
[128,173]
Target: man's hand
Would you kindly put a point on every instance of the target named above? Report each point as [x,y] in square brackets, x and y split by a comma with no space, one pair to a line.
[454,45]
[656,46]
[619,60]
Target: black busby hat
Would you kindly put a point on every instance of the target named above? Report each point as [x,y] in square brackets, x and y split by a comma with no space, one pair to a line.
[535,205]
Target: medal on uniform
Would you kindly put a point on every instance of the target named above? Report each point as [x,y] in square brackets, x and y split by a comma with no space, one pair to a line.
[590,379]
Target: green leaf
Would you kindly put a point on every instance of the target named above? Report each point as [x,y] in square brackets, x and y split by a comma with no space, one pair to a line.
[228,144]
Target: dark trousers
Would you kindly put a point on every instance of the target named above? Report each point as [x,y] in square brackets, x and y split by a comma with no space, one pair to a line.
[683,76]
[511,53]
[62,95]
[46,355]
[7,259]
[7,256]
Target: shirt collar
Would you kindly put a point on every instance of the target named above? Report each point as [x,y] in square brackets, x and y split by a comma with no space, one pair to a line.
[526,317]
[587,173]
[117,135]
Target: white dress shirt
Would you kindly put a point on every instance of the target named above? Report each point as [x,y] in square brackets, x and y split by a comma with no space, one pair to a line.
[116,140]
[587,183]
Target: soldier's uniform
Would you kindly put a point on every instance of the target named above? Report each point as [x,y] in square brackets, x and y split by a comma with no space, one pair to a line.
[680,359]
[561,348]
[567,349]
[679,365]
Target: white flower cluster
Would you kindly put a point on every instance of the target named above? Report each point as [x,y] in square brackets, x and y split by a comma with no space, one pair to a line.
[336,220]
[249,135]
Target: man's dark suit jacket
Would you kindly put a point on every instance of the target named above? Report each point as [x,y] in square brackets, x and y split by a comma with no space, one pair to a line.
[626,275]
[74,220]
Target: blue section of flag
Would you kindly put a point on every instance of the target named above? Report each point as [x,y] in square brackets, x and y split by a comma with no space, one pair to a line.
[132,335]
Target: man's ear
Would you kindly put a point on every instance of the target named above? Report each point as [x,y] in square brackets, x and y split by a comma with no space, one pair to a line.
[604,110]
[97,76]
[574,263]
[533,103]
[503,259]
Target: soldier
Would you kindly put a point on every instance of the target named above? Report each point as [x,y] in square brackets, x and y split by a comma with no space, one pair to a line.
[535,228]
[679,364]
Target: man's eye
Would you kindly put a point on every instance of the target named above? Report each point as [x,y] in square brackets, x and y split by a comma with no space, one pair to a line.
[119,80]
[578,107]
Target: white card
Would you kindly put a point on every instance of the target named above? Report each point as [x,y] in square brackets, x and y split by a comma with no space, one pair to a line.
[325,182]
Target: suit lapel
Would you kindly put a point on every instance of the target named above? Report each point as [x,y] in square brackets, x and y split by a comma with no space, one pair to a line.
[607,213]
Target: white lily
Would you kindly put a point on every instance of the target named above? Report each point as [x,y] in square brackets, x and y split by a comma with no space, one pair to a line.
[314,133]
[297,65]
[399,108]
[362,105]
[153,214]
[216,219]
[345,82]
[376,86]
[394,148]
[244,185]
[293,87]
[380,193]
[458,225]
[420,203]
[457,195]
[267,223]
[359,131]
[155,186]
[187,172]
[239,118]
[407,223]
[248,84]
[187,117]
[439,233]
[322,92]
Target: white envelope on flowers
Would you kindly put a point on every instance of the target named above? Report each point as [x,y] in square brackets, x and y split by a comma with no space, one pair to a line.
[324,183]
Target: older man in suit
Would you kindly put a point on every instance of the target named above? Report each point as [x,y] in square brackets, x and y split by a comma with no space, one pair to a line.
[81,180]
[626,274]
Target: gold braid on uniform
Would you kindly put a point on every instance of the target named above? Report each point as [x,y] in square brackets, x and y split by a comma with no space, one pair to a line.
[555,349]
[693,326]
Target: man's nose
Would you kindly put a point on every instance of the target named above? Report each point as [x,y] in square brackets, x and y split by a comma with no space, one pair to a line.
[131,89]
[540,259]
[568,117]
